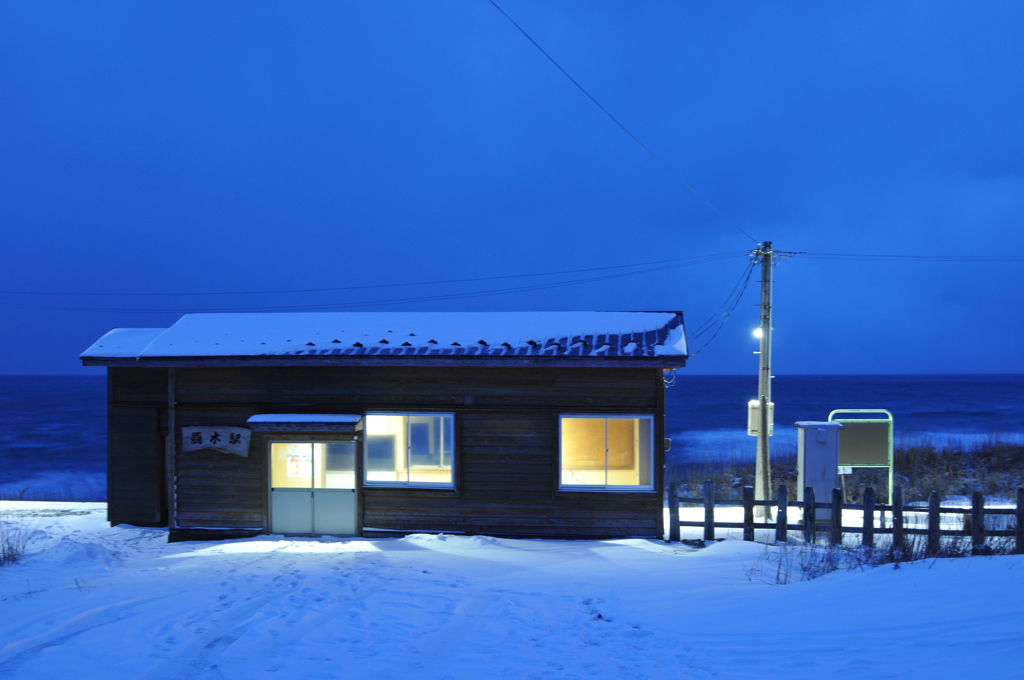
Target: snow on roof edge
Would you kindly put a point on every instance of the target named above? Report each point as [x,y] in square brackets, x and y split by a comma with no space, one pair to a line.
[305,418]
[122,343]
[391,334]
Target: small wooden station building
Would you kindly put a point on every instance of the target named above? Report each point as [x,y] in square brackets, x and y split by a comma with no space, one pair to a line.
[547,424]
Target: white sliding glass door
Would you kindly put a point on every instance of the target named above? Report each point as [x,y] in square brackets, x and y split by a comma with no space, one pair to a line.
[313,488]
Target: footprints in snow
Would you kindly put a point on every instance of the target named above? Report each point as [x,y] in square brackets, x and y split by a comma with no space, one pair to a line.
[594,612]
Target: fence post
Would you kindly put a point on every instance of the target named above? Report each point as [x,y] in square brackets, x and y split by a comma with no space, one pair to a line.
[836,537]
[809,521]
[934,525]
[673,512]
[1020,520]
[748,513]
[977,521]
[709,510]
[899,540]
[782,514]
[868,534]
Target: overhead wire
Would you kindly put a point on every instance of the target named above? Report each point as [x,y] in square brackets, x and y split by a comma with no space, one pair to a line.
[673,264]
[715,322]
[700,330]
[619,123]
[913,258]
[721,317]
[368,286]
[666,264]
[728,313]
[733,300]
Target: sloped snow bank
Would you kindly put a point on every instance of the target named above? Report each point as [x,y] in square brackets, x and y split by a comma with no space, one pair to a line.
[90,601]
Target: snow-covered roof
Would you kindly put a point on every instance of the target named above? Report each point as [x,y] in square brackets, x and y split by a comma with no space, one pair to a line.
[393,334]
[305,418]
[123,343]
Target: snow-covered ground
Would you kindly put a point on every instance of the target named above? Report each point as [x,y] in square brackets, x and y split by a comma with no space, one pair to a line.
[90,601]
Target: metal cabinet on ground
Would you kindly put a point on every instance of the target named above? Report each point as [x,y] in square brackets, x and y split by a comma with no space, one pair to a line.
[817,454]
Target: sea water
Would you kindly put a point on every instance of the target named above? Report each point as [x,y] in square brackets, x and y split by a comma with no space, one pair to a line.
[53,438]
[53,428]
[706,416]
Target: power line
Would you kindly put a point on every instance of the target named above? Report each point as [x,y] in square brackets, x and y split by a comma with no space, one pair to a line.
[914,258]
[617,122]
[673,264]
[372,286]
[745,279]
[707,325]
[733,299]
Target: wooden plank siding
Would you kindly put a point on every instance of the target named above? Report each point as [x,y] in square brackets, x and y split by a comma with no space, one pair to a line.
[506,443]
[135,470]
[136,427]
[138,387]
[216,490]
[507,487]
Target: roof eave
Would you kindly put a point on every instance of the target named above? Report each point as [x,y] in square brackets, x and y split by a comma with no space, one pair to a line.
[363,360]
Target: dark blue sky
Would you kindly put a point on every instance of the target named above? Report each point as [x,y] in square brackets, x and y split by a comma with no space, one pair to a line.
[181,147]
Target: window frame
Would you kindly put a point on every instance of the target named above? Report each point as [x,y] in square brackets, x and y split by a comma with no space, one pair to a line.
[447,486]
[609,488]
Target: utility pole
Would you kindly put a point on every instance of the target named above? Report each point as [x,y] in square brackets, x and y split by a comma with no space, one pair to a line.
[762,470]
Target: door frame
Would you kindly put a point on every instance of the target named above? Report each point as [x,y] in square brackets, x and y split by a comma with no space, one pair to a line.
[314,437]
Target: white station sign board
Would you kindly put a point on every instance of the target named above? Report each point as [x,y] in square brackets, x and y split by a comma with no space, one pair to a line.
[226,439]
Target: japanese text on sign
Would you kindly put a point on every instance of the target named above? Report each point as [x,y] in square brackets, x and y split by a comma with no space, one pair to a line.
[226,439]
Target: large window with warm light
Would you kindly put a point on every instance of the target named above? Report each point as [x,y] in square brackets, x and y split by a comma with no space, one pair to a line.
[606,452]
[410,449]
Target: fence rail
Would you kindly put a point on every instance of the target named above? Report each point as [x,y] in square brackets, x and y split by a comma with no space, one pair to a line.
[831,522]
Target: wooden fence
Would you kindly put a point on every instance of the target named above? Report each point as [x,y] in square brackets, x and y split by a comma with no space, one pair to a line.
[811,526]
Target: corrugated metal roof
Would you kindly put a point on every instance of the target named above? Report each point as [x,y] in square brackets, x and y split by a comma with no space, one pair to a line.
[435,334]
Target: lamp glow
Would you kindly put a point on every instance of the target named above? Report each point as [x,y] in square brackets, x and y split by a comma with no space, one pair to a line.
[758,333]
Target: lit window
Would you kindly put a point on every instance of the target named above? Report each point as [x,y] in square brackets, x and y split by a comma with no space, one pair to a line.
[313,465]
[606,452]
[409,448]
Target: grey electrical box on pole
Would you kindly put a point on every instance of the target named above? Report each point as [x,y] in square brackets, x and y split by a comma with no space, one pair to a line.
[754,418]
[817,460]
